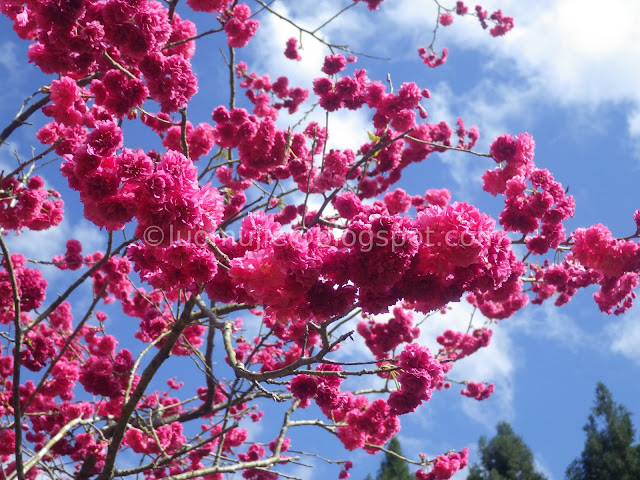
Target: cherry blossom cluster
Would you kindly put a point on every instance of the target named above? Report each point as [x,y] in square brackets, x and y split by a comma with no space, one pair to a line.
[423,254]
[596,258]
[595,248]
[501,25]
[28,205]
[445,466]
[352,92]
[224,235]
[239,26]
[291,51]
[265,151]
[31,288]
[541,209]
[457,345]
[282,271]
[430,58]
[364,424]
[478,390]
[199,139]
[259,88]
[384,337]
[115,188]
[77,39]
[420,375]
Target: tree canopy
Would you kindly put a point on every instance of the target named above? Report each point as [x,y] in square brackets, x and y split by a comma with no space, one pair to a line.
[504,457]
[392,466]
[242,233]
[608,452]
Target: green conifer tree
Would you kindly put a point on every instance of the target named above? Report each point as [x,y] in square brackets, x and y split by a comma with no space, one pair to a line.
[505,457]
[392,467]
[608,451]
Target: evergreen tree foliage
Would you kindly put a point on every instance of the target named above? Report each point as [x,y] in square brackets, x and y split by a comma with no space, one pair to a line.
[608,451]
[504,457]
[393,468]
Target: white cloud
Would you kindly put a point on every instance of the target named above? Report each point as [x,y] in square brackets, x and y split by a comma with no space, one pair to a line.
[91,238]
[624,335]
[572,52]
[491,364]
[580,56]
[548,321]
[576,53]
[9,59]
[41,246]
[540,466]
[45,244]
[347,129]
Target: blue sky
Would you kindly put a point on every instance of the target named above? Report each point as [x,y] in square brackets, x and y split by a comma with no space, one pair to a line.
[567,74]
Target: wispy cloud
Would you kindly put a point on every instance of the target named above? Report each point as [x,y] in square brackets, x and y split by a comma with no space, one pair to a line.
[550,322]
[491,364]
[347,129]
[624,335]
[540,466]
[576,54]
[9,60]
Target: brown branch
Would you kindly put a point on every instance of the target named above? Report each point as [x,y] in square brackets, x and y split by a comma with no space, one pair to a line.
[30,161]
[146,377]
[183,132]
[77,283]
[17,352]
[63,349]
[184,450]
[375,149]
[21,118]
[185,40]
[331,46]
[457,149]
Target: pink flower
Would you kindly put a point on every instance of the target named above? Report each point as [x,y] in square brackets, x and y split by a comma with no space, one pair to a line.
[439,197]
[596,248]
[384,337]
[446,19]
[478,391]
[304,387]
[371,4]
[503,24]
[445,466]
[210,6]
[421,374]
[169,79]
[239,28]
[334,64]
[431,59]
[461,8]
[291,51]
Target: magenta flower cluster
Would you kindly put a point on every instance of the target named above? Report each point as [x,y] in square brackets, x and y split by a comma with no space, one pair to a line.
[310,238]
